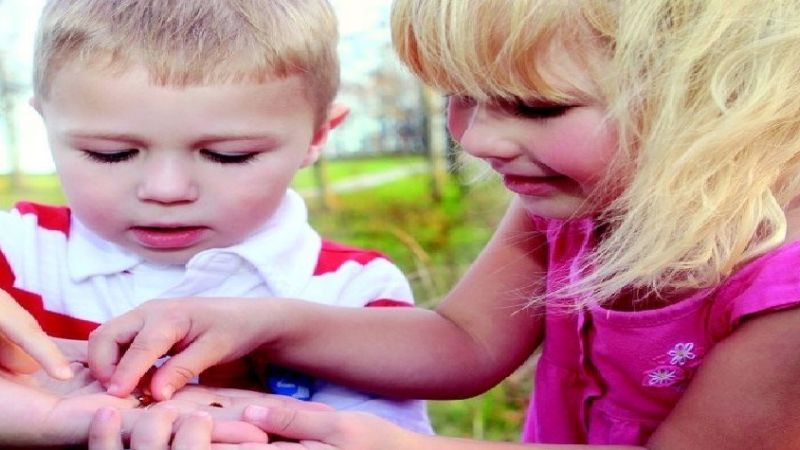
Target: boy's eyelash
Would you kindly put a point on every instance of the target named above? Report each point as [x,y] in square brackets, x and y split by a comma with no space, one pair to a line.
[223,158]
[110,158]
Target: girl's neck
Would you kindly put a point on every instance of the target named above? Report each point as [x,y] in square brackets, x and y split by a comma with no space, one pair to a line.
[793,221]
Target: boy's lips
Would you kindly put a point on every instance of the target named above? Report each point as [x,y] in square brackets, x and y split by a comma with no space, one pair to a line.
[168,238]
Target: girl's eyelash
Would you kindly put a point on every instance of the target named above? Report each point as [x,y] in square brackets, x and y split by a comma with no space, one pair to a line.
[110,158]
[222,158]
[533,111]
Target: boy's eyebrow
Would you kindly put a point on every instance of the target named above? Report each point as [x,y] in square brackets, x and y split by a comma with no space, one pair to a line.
[120,137]
[213,139]
[201,141]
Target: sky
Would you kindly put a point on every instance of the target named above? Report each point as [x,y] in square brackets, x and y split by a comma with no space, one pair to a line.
[363,26]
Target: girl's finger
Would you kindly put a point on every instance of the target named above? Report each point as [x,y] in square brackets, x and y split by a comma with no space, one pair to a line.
[181,368]
[145,342]
[105,430]
[292,423]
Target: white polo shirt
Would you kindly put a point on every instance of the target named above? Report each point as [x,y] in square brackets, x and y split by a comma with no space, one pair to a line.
[71,280]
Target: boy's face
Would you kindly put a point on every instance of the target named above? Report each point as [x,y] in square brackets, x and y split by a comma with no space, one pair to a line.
[168,172]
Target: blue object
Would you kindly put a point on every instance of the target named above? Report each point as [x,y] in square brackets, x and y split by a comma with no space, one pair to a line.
[288,382]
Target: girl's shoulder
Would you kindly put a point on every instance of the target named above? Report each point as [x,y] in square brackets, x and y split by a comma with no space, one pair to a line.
[769,282]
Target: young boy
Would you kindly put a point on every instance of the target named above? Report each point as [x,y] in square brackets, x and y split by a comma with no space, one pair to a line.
[176,128]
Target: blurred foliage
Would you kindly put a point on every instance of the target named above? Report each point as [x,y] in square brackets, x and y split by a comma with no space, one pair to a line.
[432,242]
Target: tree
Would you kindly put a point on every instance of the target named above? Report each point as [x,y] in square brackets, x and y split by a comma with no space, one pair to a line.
[8,92]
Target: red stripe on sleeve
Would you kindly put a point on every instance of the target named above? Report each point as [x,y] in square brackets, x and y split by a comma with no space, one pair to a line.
[333,255]
[54,324]
[55,218]
[387,302]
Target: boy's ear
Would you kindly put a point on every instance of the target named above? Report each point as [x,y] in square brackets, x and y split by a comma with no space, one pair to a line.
[35,104]
[336,115]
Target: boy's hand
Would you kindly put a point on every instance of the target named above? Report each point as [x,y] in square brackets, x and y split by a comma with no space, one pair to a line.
[24,347]
[200,332]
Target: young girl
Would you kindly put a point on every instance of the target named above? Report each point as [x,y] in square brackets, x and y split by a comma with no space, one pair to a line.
[652,249]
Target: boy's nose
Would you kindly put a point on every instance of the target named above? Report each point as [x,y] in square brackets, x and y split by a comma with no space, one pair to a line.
[168,181]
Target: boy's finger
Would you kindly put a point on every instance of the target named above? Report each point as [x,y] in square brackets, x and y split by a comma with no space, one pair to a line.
[105,430]
[181,368]
[24,335]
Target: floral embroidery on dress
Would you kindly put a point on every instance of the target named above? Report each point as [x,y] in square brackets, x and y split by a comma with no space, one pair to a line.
[675,367]
[681,353]
[664,376]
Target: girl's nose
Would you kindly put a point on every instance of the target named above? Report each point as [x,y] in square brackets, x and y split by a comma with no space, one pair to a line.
[487,137]
[168,180]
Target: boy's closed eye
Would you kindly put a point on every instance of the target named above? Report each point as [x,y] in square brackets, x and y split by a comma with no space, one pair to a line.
[229,158]
[110,157]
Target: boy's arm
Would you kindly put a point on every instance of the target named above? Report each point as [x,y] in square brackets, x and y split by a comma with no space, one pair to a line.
[480,333]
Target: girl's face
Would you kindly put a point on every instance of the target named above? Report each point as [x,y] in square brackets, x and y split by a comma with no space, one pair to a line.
[552,156]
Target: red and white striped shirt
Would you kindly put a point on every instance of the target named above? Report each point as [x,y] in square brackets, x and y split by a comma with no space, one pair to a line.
[71,280]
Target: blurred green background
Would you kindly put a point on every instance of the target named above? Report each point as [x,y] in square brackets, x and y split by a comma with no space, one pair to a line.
[432,240]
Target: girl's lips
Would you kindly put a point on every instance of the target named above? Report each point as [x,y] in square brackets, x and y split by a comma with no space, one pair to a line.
[168,238]
[533,186]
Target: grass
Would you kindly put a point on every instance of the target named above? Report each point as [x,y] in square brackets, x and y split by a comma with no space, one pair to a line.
[432,242]
[340,169]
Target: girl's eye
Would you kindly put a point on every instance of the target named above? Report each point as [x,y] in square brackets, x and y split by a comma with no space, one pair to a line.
[110,157]
[533,110]
[228,158]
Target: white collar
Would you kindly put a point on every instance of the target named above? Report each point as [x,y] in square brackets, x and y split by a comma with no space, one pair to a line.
[284,250]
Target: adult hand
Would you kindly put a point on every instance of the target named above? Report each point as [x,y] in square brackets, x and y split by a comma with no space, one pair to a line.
[159,429]
[24,347]
[61,411]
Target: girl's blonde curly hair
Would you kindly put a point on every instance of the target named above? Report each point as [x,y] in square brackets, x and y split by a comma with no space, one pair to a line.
[704,94]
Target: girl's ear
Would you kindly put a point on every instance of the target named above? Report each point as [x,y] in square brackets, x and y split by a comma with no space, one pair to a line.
[336,115]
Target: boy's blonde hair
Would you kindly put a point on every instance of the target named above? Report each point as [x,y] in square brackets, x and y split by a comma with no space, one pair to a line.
[705,95]
[194,42]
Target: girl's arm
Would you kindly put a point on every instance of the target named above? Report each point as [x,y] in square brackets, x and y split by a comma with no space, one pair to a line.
[348,431]
[481,332]
[478,335]
[746,394]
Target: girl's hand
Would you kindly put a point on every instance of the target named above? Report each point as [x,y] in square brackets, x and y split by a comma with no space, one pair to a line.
[203,331]
[24,347]
[331,430]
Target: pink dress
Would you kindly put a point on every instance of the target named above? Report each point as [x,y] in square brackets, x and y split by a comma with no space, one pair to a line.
[611,377]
